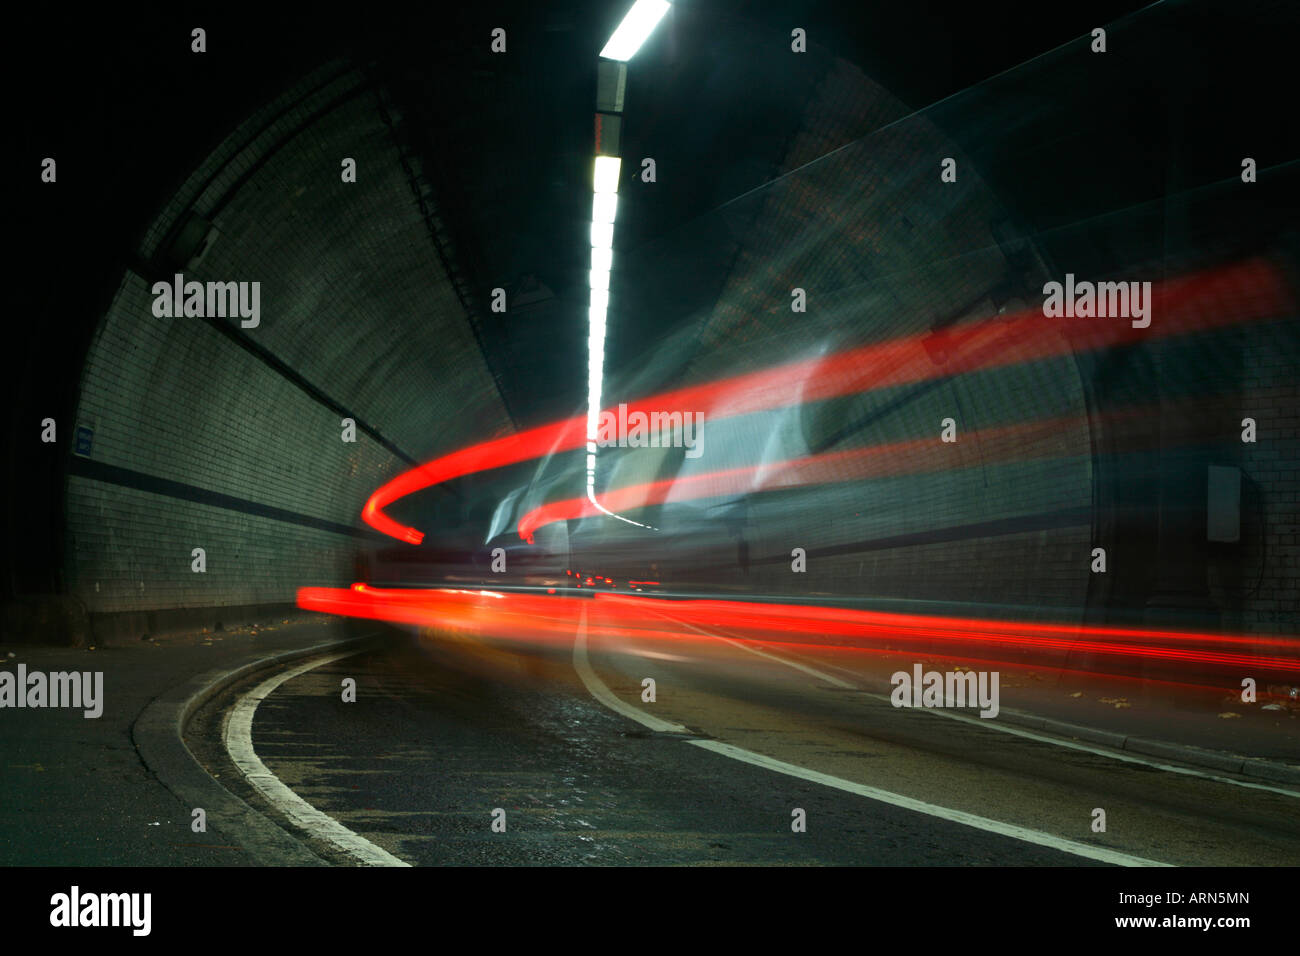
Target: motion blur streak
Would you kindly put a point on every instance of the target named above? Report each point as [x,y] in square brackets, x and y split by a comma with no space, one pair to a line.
[533,443]
[542,619]
[1021,442]
[1245,291]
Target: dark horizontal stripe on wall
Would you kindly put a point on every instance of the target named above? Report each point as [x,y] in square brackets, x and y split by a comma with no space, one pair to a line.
[281,368]
[138,480]
[291,375]
[1020,524]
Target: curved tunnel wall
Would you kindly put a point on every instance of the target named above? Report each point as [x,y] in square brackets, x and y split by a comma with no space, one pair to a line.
[859,219]
[194,434]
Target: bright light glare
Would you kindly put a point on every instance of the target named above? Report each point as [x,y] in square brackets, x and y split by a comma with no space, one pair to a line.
[627,39]
[603,208]
[605,177]
[595,369]
[635,28]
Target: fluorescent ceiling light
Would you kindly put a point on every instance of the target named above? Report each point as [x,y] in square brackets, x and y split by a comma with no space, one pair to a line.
[606,176]
[636,26]
[600,278]
[602,259]
[602,235]
[600,299]
[603,208]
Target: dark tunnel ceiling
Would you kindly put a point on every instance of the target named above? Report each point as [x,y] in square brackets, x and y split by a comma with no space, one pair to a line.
[508,139]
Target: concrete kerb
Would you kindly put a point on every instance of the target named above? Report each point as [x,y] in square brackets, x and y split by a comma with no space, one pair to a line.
[158,735]
[1258,768]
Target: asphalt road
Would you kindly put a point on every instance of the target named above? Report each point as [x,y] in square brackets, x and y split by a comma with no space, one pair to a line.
[445,730]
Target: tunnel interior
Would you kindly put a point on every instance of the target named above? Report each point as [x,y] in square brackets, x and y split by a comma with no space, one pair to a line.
[802,433]
[378,344]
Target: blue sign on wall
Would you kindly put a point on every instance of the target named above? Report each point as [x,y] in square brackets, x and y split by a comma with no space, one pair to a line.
[85,437]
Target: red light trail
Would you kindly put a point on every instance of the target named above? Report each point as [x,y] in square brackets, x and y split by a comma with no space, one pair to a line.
[1252,290]
[1246,291]
[536,618]
[906,457]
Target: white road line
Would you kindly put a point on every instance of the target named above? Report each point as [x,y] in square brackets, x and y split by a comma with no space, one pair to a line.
[907,803]
[986,724]
[659,656]
[811,671]
[603,694]
[239,744]
[1087,748]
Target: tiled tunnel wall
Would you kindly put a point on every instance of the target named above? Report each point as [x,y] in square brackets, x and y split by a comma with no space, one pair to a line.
[884,249]
[231,439]
[1265,591]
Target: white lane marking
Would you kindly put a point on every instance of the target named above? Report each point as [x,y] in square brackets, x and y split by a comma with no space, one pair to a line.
[985,724]
[907,803]
[603,694]
[811,671]
[239,744]
[659,656]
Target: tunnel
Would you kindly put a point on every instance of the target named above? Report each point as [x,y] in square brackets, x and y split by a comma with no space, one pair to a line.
[861,338]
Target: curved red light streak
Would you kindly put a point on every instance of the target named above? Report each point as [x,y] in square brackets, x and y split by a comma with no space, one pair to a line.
[1249,290]
[538,618]
[905,457]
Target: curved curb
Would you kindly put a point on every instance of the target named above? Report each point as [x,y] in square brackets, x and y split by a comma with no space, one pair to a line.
[1257,767]
[158,735]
